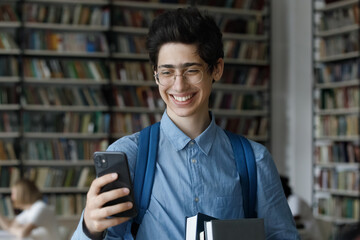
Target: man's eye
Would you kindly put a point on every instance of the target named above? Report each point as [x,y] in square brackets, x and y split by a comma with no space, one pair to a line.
[166,73]
[192,71]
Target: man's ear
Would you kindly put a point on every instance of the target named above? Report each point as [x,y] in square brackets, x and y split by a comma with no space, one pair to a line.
[218,69]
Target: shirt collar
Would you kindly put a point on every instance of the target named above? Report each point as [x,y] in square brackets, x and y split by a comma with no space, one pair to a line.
[179,139]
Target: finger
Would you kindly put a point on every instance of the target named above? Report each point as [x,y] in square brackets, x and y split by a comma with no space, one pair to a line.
[100,226]
[105,212]
[111,195]
[99,182]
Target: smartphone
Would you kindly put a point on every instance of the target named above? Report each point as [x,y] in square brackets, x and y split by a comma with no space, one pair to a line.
[115,162]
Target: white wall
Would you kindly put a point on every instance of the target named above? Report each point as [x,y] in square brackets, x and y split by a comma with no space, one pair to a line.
[291,135]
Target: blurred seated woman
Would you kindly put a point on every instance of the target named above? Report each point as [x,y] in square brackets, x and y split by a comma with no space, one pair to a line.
[36,220]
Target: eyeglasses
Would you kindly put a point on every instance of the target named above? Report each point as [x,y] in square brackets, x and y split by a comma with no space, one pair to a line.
[167,77]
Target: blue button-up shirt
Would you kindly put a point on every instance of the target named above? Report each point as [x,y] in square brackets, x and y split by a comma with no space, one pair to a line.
[200,175]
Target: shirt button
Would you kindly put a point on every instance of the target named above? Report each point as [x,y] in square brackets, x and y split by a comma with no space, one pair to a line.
[196,199]
[193,160]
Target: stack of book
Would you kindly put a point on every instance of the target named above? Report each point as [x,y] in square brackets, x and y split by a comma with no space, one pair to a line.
[205,227]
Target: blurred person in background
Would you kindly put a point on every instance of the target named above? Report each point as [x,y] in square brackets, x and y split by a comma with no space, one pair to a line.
[302,213]
[36,220]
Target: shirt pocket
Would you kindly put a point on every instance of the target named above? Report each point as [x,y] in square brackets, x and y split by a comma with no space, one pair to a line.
[228,207]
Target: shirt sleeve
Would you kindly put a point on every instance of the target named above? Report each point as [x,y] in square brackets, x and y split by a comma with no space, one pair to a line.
[272,204]
[119,232]
[79,232]
[122,231]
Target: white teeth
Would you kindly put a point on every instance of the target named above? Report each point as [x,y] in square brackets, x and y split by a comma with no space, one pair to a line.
[182,99]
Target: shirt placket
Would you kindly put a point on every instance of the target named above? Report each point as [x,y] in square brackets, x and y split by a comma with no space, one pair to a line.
[195,173]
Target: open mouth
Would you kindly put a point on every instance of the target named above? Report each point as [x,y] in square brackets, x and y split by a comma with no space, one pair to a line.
[183,98]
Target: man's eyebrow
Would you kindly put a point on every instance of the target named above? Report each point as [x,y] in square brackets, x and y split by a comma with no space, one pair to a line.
[184,65]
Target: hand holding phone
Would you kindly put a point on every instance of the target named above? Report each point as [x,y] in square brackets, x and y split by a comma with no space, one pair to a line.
[115,162]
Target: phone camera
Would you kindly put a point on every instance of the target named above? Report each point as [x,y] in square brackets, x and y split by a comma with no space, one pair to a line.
[103,163]
[100,161]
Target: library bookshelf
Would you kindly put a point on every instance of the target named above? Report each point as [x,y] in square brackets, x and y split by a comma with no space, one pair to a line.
[336,136]
[75,76]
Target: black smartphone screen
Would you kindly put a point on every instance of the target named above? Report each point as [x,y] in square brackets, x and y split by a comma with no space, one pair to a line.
[115,162]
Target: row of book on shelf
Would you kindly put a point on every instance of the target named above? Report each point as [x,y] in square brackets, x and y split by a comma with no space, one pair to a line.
[337,179]
[66,122]
[131,44]
[248,50]
[248,126]
[57,177]
[67,205]
[246,76]
[9,121]
[140,18]
[63,122]
[138,97]
[65,41]
[7,150]
[8,95]
[339,98]
[336,45]
[337,152]
[64,96]
[338,17]
[62,149]
[244,101]
[7,13]
[127,71]
[53,149]
[6,207]
[64,68]
[8,176]
[49,177]
[9,66]
[339,207]
[240,24]
[75,14]
[127,123]
[337,71]
[7,41]
[337,125]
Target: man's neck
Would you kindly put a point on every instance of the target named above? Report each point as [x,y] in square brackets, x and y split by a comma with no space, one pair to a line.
[192,126]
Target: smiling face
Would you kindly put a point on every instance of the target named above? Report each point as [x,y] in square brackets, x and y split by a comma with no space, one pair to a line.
[183,99]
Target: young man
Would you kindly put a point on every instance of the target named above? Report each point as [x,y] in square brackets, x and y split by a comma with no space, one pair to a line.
[195,168]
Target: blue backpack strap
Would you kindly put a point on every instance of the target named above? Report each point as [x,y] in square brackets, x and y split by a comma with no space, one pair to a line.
[145,168]
[246,166]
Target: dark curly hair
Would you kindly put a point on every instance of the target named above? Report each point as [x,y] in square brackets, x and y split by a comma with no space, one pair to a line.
[188,26]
